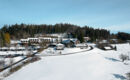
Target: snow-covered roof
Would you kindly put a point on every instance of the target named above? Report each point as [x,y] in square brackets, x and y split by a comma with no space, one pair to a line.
[107,48]
[69,39]
[37,47]
[12,47]
[104,41]
[66,41]
[23,39]
[46,38]
[60,44]
[14,41]
[4,48]
[21,48]
[81,45]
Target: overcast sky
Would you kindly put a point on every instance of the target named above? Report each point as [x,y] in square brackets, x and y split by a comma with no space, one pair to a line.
[109,14]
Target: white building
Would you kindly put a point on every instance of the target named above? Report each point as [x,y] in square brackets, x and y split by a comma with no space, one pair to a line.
[33,40]
[24,40]
[48,38]
[40,40]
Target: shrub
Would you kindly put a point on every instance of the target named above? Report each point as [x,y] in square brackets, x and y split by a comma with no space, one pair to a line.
[128,76]
[123,57]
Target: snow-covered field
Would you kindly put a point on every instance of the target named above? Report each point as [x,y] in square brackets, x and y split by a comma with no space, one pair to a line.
[90,65]
[9,61]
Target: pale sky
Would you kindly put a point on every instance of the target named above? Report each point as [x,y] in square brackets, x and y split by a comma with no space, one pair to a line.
[109,14]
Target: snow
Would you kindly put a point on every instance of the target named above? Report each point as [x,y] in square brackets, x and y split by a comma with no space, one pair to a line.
[16,52]
[60,44]
[79,45]
[14,41]
[52,51]
[91,44]
[12,52]
[107,47]
[90,65]
[8,60]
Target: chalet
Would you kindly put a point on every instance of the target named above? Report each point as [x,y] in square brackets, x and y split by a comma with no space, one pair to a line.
[113,41]
[105,45]
[68,43]
[86,39]
[76,41]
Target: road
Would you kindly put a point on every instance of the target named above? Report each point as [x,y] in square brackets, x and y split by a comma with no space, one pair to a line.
[91,48]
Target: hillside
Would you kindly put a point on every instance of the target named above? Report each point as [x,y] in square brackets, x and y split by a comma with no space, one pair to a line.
[91,65]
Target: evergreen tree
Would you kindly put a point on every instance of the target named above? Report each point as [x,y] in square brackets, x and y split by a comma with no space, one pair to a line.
[2,39]
[18,31]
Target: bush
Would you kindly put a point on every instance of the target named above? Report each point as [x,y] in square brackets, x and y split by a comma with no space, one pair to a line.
[128,76]
[123,57]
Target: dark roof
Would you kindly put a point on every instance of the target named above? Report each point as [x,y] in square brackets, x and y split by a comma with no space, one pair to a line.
[67,41]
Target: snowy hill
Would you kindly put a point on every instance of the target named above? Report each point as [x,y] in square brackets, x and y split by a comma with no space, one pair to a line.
[90,65]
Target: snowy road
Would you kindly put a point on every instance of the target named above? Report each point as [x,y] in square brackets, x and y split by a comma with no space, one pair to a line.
[65,52]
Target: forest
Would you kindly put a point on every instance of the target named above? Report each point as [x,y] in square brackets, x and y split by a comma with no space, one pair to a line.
[18,31]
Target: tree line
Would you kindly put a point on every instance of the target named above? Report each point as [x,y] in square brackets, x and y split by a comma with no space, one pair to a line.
[18,31]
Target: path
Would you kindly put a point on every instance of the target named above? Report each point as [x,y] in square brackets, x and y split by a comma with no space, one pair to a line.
[91,48]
